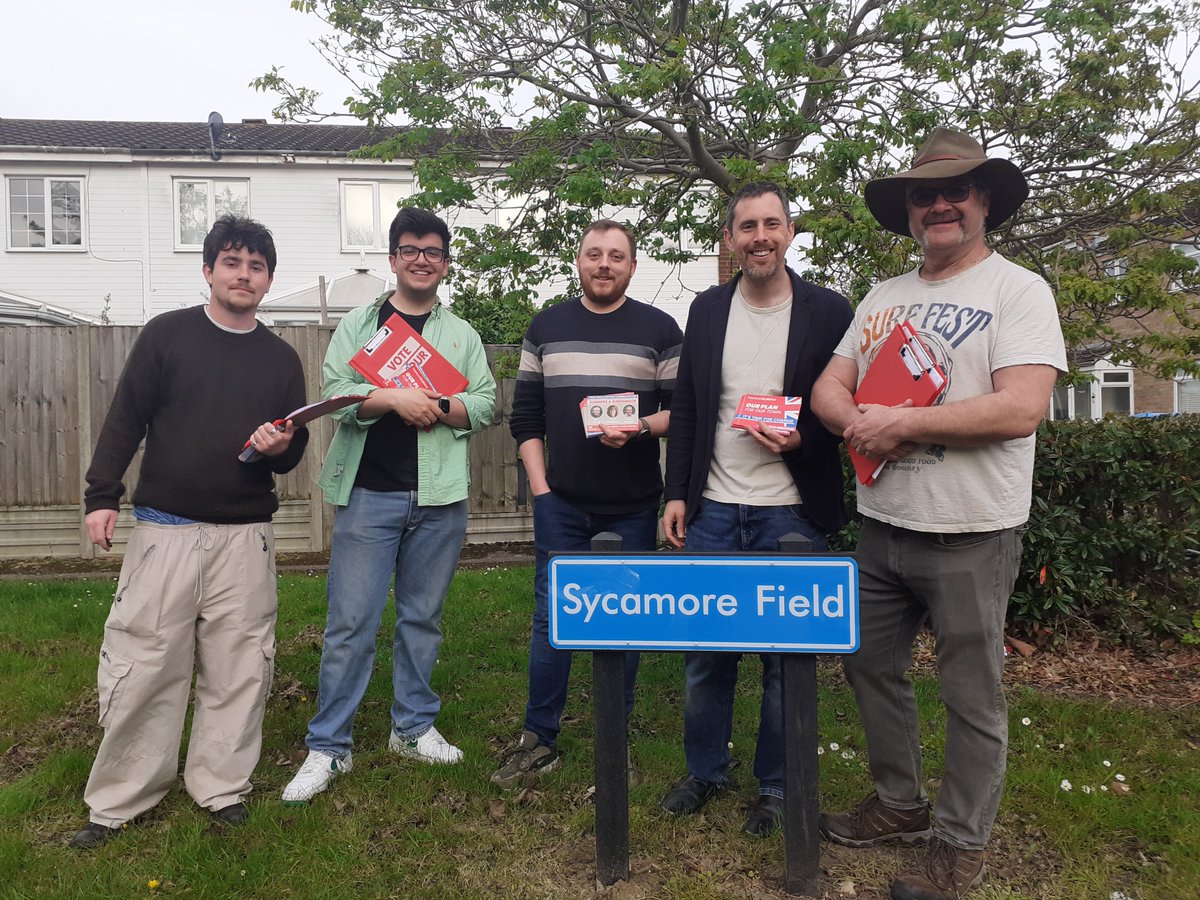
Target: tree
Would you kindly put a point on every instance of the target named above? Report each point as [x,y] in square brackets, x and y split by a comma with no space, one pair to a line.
[572,107]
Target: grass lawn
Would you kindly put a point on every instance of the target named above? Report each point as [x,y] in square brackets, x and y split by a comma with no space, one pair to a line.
[1101,800]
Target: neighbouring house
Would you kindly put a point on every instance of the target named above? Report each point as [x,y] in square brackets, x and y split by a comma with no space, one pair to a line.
[103,221]
[1118,389]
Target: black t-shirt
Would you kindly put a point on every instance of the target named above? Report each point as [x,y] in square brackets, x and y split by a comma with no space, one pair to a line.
[389,460]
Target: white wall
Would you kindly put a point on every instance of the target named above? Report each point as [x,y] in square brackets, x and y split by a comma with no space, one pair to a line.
[129,252]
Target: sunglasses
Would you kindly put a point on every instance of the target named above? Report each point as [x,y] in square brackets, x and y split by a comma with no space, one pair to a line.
[923,197]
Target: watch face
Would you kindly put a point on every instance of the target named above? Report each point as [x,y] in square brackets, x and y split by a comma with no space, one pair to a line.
[444,404]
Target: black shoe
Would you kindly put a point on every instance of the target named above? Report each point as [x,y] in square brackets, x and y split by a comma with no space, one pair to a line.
[688,796]
[766,817]
[234,814]
[91,836]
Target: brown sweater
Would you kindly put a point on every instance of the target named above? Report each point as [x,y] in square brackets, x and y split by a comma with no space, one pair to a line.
[195,393]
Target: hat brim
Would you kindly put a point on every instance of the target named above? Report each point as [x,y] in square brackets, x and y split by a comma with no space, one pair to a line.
[1008,188]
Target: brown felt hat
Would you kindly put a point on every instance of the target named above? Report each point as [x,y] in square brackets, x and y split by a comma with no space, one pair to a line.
[947,154]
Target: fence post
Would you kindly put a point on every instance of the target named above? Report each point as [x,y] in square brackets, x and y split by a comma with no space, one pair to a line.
[801,838]
[612,751]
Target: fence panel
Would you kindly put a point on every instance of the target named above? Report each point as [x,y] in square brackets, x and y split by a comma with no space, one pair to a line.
[57,385]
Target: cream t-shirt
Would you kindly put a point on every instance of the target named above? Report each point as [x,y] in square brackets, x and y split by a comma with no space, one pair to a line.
[993,315]
[751,363]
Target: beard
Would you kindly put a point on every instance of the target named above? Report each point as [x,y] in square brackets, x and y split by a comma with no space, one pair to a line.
[763,272]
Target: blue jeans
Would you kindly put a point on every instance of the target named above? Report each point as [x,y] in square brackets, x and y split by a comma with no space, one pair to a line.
[560,527]
[378,536]
[712,677]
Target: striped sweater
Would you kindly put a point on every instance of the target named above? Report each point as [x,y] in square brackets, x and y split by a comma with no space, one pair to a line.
[570,353]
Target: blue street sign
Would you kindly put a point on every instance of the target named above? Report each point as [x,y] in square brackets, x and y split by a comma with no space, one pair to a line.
[743,603]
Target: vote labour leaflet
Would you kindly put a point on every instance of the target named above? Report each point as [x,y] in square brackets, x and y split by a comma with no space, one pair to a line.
[303,416]
[396,356]
[766,411]
[619,411]
[902,370]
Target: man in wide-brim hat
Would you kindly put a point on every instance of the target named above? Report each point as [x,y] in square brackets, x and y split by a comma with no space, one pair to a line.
[940,521]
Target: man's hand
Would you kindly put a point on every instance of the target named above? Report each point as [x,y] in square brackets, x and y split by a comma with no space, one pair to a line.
[415,406]
[879,432]
[271,441]
[100,526]
[674,517]
[775,441]
[615,438]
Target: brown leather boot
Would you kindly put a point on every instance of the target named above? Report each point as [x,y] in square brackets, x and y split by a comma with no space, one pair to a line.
[873,823]
[947,874]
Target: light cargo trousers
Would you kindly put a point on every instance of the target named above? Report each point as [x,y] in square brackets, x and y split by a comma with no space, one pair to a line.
[189,597]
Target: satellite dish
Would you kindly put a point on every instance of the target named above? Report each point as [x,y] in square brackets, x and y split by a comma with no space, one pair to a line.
[215,126]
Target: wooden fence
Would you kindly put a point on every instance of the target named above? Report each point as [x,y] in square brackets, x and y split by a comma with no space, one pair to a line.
[58,383]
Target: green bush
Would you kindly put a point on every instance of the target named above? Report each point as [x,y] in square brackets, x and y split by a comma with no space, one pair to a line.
[1116,508]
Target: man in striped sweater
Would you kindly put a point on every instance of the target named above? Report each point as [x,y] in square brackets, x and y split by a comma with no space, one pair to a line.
[601,343]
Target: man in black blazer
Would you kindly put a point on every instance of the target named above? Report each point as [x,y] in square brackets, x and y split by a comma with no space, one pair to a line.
[766,331]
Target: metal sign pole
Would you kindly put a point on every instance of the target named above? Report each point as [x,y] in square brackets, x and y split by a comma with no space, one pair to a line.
[801,838]
[612,751]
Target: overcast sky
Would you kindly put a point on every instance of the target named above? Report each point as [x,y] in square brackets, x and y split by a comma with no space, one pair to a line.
[154,60]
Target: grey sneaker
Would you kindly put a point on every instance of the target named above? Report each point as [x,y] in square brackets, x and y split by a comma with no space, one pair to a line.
[873,823]
[528,759]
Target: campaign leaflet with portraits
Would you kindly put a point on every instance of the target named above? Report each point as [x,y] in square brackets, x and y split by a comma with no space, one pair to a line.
[619,411]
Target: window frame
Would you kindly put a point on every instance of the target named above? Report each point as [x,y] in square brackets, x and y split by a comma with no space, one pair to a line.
[209,183]
[47,199]
[1194,384]
[379,225]
[1086,400]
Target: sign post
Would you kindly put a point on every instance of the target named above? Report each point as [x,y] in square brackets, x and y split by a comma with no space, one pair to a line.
[612,751]
[790,603]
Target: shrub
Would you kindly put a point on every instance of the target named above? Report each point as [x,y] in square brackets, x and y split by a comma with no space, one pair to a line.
[1116,510]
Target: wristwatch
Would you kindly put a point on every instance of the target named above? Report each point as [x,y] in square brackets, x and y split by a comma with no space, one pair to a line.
[643,430]
[444,405]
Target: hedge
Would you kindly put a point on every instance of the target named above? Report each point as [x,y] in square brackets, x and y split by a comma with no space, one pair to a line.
[1116,508]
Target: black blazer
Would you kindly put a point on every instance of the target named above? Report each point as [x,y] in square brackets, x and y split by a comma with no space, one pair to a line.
[819,319]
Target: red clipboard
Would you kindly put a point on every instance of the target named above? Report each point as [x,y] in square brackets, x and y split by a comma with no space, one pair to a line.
[902,370]
[396,356]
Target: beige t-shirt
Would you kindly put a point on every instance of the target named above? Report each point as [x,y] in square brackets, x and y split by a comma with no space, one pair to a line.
[993,315]
[752,363]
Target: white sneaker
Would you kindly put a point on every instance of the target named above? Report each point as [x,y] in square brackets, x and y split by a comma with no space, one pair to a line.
[430,747]
[314,776]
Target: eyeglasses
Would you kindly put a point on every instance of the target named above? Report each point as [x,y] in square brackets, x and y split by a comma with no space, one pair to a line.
[409,252]
[922,197]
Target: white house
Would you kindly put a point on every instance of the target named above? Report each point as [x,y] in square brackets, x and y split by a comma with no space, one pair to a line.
[103,221]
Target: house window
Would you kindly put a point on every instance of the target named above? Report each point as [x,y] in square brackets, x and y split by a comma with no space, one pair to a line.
[1192,252]
[1117,267]
[368,208]
[1116,392]
[201,201]
[1188,395]
[1110,390]
[45,213]
[1071,401]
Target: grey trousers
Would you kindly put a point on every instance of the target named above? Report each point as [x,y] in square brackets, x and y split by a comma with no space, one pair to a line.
[189,597]
[962,582]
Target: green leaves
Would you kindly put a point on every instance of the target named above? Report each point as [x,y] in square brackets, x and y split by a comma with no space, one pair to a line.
[624,109]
